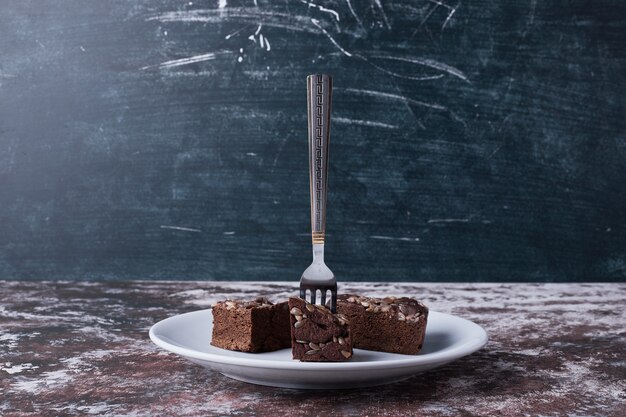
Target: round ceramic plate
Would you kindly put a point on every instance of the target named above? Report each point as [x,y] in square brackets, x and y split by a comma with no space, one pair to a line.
[189,335]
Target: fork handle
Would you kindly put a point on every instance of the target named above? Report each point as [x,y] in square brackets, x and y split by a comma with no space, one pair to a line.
[319,95]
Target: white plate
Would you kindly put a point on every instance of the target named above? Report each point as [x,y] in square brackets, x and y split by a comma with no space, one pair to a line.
[447,338]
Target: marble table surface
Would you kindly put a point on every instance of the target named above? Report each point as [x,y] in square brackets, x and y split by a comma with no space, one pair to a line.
[82,348]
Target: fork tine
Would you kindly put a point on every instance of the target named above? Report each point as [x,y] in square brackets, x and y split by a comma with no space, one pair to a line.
[333,301]
[323,300]
[303,293]
[313,295]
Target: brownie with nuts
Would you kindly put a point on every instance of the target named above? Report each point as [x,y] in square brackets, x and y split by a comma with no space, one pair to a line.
[251,326]
[390,324]
[318,335]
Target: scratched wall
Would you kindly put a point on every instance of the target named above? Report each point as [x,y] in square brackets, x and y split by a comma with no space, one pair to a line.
[471,140]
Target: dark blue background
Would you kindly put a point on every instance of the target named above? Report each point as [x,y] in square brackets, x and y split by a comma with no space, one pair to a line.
[470,141]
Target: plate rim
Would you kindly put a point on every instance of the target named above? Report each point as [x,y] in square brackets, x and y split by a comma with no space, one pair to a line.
[472,345]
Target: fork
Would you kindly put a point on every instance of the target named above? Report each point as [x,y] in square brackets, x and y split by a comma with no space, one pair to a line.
[318,277]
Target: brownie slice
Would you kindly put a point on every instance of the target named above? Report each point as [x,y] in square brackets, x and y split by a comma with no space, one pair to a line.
[251,326]
[317,335]
[391,324]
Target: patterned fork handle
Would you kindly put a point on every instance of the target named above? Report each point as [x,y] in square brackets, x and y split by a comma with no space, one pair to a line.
[319,95]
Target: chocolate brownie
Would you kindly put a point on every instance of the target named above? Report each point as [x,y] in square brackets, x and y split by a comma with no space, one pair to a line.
[396,325]
[251,326]
[317,335]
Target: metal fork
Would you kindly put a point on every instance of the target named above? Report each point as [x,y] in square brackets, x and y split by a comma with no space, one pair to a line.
[318,277]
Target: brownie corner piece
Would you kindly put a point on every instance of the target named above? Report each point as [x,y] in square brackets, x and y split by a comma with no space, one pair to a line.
[318,335]
[391,324]
[251,326]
